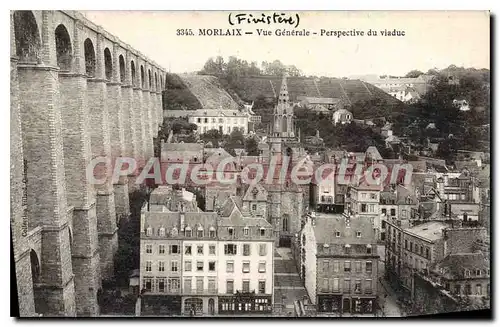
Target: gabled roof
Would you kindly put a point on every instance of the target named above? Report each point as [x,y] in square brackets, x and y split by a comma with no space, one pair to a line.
[327,225]
[455,265]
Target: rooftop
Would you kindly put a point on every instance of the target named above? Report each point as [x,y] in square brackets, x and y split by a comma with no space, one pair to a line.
[431,231]
[326,226]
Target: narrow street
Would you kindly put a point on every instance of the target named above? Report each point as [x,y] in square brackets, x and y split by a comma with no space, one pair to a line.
[387,296]
[288,286]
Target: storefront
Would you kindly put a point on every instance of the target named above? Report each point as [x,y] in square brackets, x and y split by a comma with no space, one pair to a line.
[359,305]
[329,303]
[245,303]
[199,305]
[161,305]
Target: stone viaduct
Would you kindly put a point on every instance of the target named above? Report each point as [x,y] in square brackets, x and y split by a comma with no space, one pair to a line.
[77,93]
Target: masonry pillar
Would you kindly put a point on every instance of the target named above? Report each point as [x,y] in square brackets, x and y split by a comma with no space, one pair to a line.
[129,126]
[141,111]
[117,135]
[80,193]
[139,127]
[146,109]
[18,219]
[46,186]
[100,145]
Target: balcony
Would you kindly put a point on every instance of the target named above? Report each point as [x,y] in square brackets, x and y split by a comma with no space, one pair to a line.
[200,292]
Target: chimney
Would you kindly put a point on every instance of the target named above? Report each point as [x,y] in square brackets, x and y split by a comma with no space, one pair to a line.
[181,215]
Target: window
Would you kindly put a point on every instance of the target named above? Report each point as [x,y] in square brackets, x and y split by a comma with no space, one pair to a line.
[326,267]
[406,244]
[458,289]
[427,253]
[467,273]
[363,208]
[254,207]
[245,231]
[230,249]
[262,266]
[357,286]
[231,231]
[149,248]
[161,266]
[347,249]
[188,287]
[262,232]
[324,285]
[262,250]
[198,120]
[211,233]
[147,283]
[403,213]
[188,232]
[211,285]
[246,267]
[161,284]
[383,224]
[468,290]
[347,266]
[337,234]
[246,286]
[368,267]
[384,211]
[229,286]
[173,249]
[187,265]
[199,284]
[393,212]
[206,120]
[229,266]
[211,266]
[199,232]
[411,246]
[246,250]
[262,287]
[161,231]
[148,265]
[347,285]
[358,266]
[149,231]
[161,249]
[358,234]
[199,265]
[187,250]
[368,286]
[336,285]
[368,249]
[478,272]
[373,196]
[479,289]
[211,249]
[336,266]
[174,266]
[199,249]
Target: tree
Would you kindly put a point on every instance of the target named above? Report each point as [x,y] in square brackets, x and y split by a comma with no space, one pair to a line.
[414,73]
[251,146]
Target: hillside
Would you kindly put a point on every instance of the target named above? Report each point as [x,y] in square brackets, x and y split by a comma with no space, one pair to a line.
[188,91]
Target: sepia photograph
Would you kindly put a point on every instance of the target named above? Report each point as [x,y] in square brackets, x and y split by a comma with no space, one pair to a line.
[250,164]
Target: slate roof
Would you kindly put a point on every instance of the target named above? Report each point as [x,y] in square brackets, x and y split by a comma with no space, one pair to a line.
[455,265]
[327,224]
[431,231]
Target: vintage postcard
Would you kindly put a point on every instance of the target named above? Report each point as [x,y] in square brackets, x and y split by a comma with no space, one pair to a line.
[250,164]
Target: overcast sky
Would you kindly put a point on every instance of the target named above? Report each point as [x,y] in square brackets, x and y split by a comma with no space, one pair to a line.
[433,39]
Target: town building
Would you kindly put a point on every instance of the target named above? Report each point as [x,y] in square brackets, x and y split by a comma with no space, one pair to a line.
[246,252]
[339,263]
[342,117]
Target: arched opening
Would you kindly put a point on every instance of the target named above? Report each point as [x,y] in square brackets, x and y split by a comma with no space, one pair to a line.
[143,82]
[211,307]
[28,43]
[121,62]
[35,267]
[285,222]
[132,69]
[63,48]
[150,84]
[108,64]
[89,58]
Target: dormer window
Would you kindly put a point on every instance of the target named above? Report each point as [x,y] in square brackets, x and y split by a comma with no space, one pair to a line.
[368,249]
[188,232]
[262,232]
[211,232]
[358,234]
[467,273]
[161,231]
[347,249]
[337,234]
[246,231]
[230,231]
[149,231]
[478,272]
[200,232]
[174,232]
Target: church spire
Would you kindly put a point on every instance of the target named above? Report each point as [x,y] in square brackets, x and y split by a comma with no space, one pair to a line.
[283,97]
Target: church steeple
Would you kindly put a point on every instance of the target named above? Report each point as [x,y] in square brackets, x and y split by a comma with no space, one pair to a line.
[283,113]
